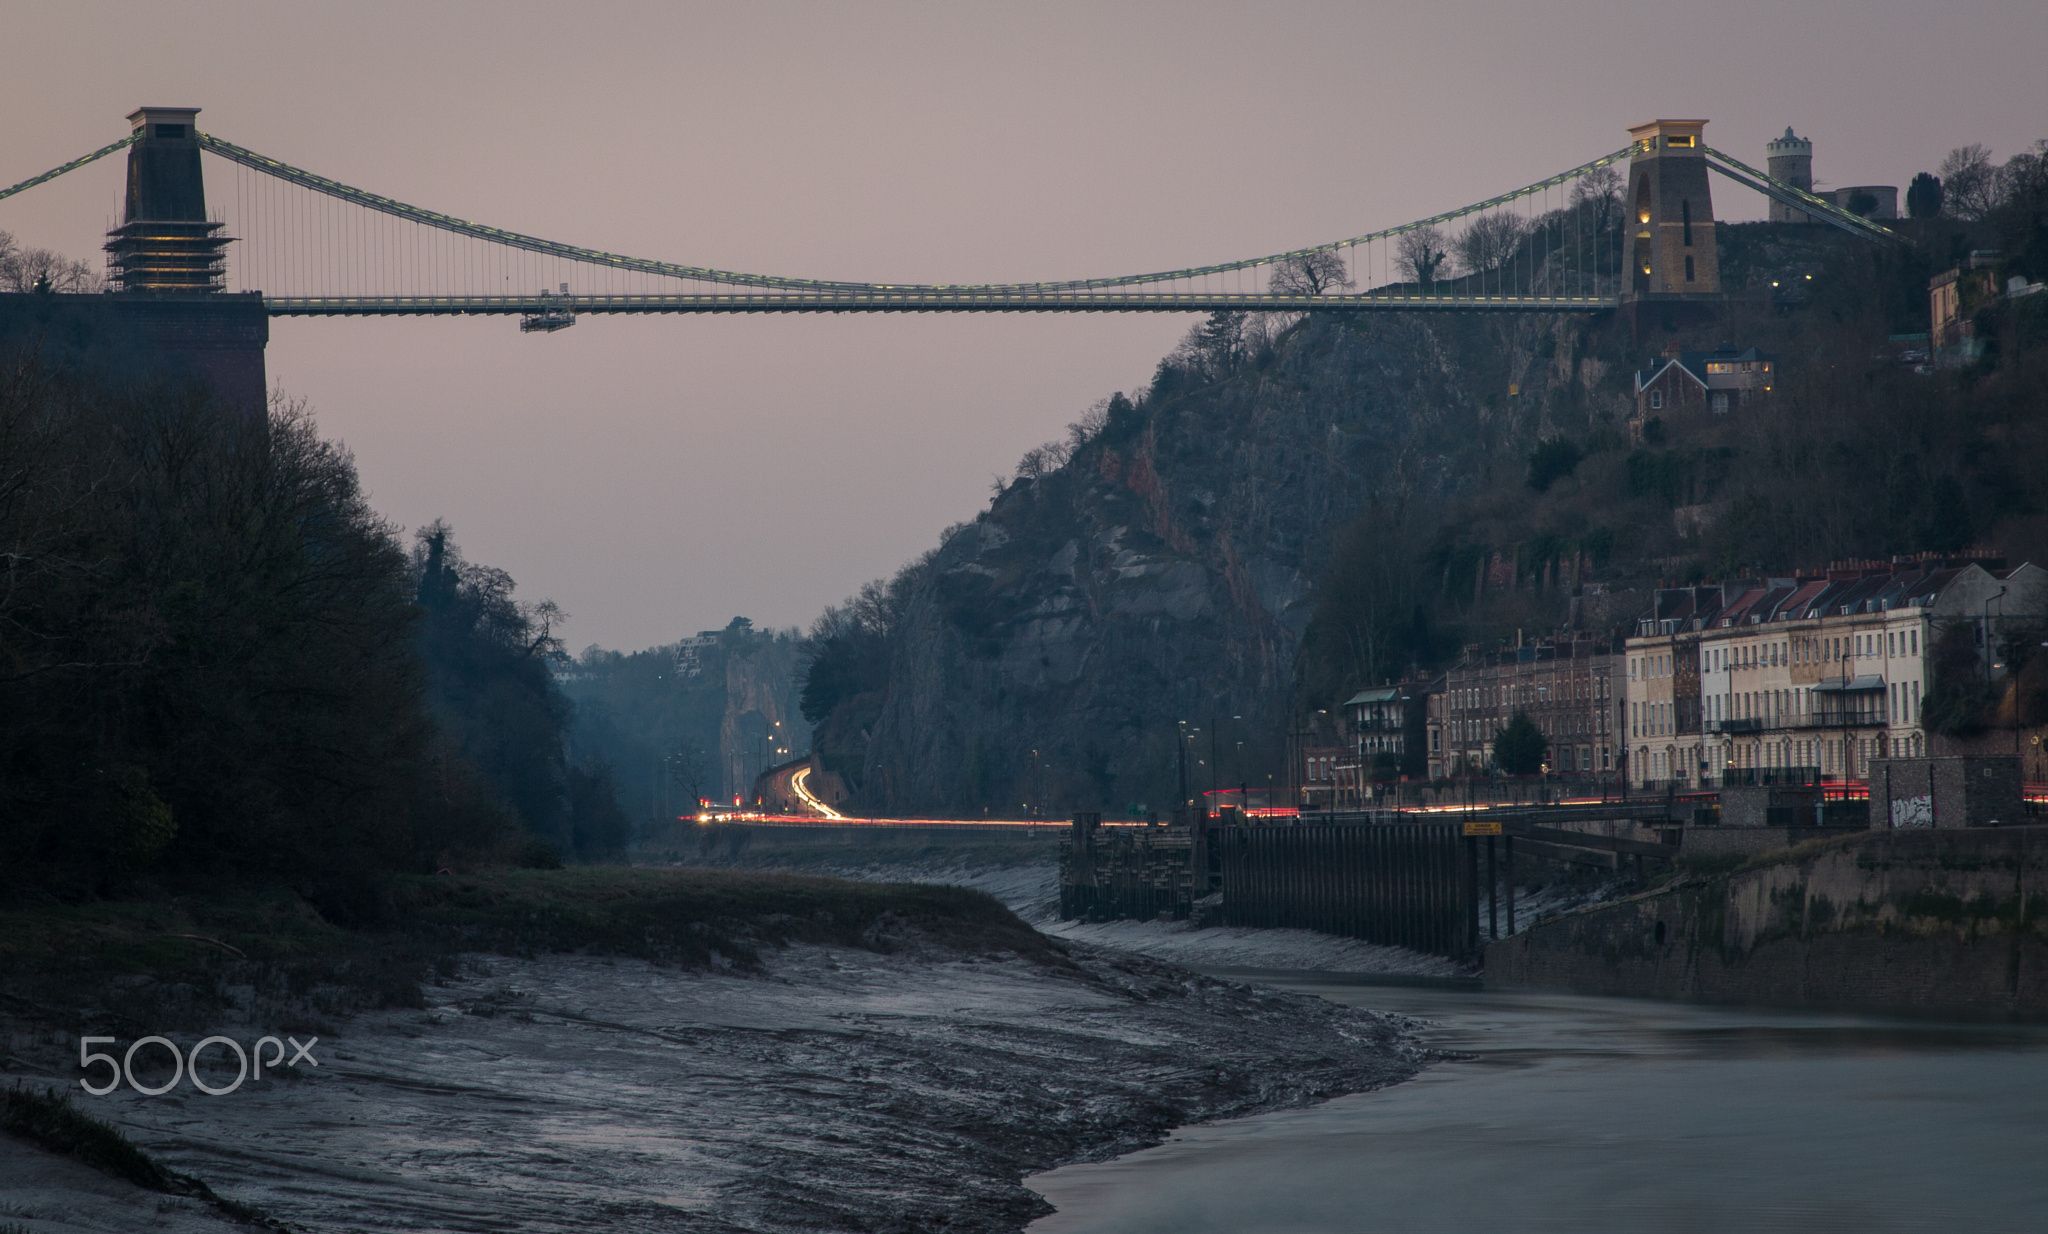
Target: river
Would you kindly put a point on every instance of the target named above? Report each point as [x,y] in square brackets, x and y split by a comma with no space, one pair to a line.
[1593,1114]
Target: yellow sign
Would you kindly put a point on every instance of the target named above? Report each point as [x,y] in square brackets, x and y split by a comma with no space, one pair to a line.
[1482,829]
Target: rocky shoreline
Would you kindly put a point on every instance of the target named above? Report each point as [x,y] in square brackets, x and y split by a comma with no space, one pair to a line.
[903,1088]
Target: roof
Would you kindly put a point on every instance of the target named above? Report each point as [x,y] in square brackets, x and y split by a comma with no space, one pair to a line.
[1383,694]
[1794,606]
[1843,593]
[1694,363]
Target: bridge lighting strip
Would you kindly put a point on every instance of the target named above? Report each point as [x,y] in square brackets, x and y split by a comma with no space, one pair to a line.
[1798,198]
[617,261]
[73,165]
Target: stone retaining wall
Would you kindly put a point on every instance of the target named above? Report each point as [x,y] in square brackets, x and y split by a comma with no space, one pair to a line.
[1932,921]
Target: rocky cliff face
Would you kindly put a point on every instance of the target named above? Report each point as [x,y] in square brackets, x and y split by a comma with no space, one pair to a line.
[699,716]
[1165,572]
[760,718]
[1283,519]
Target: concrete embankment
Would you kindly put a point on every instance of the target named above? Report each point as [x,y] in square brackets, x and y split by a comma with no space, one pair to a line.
[1925,920]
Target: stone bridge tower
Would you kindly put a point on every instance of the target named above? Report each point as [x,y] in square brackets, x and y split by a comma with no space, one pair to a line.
[165,242]
[168,262]
[1670,214]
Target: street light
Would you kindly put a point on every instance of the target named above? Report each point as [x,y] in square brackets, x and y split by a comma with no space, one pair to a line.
[1988,665]
[1182,737]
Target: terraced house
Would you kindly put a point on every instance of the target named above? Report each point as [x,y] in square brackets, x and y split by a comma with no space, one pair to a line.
[1805,678]
[1569,685]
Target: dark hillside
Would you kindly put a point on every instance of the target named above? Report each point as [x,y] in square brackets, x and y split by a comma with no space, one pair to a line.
[1292,509]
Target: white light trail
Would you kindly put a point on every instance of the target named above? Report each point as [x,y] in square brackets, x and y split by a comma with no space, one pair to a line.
[799,784]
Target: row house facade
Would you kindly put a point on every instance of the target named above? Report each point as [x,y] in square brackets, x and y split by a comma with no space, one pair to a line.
[1570,686]
[1805,677]
[1375,739]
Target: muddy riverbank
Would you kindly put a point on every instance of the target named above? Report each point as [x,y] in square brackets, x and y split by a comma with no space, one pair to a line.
[907,1086]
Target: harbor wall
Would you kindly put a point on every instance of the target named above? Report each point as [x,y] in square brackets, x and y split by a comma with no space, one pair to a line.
[1943,921]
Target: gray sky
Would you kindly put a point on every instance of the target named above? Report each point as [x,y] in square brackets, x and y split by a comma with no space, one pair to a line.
[659,475]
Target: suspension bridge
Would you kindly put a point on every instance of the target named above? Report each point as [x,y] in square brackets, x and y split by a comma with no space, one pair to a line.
[1631,224]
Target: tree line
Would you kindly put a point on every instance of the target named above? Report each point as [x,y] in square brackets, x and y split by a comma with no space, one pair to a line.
[217,661]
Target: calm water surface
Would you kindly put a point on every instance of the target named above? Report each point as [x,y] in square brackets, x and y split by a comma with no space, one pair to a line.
[1589,1114]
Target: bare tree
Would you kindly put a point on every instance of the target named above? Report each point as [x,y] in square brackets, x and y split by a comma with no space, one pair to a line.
[1598,192]
[1490,241]
[1090,425]
[1422,252]
[42,270]
[1310,273]
[2022,184]
[1041,461]
[1969,181]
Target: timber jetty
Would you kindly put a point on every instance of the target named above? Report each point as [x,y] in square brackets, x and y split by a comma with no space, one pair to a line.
[1433,883]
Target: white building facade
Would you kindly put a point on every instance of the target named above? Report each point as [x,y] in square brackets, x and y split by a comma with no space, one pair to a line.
[1806,678]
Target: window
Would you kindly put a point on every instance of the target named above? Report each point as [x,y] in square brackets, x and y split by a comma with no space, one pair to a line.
[1688,256]
[1656,400]
[1683,141]
[1685,222]
[1914,636]
[175,131]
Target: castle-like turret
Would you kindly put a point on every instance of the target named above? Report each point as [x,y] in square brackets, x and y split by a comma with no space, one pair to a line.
[1791,160]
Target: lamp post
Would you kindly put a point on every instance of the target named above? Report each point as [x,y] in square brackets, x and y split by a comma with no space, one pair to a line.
[1182,735]
[1996,595]
[1037,807]
[1212,755]
[1237,759]
[1848,717]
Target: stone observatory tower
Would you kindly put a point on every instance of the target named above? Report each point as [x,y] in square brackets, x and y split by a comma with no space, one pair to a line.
[1791,160]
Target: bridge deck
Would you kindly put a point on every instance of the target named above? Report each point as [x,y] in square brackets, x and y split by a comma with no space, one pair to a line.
[964,302]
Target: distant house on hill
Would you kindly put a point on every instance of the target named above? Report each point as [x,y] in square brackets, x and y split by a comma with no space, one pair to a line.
[1681,384]
[1954,298]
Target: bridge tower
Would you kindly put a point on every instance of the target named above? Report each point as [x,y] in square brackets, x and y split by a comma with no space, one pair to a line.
[1671,214]
[165,243]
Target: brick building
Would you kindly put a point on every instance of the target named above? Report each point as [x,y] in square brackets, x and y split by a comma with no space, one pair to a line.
[1683,385]
[1570,686]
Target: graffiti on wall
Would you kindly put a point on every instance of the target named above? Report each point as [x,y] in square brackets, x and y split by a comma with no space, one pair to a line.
[1913,811]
